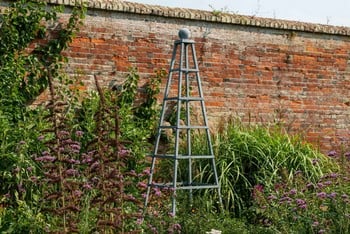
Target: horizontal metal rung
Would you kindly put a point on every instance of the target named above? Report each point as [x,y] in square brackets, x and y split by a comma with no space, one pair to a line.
[184,99]
[192,127]
[184,70]
[185,41]
[183,127]
[198,187]
[183,186]
[171,156]
[194,156]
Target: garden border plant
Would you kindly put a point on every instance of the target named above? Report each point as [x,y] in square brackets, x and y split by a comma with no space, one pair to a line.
[30,46]
[63,164]
[301,205]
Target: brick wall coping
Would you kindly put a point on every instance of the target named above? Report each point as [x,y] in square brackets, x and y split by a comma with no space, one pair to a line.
[191,14]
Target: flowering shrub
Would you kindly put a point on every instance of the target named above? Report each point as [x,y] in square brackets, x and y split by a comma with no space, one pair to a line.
[86,169]
[306,207]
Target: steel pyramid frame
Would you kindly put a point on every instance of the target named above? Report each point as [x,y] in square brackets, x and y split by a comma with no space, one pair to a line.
[186,71]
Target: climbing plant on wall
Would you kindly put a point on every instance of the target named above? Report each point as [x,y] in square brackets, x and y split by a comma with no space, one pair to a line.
[31,42]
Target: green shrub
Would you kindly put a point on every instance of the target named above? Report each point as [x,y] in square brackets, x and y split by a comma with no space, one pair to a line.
[25,64]
[201,216]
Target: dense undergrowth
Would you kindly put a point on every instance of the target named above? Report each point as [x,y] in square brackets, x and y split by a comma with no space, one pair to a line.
[77,163]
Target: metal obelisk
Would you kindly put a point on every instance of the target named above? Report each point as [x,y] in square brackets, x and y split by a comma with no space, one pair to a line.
[183,93]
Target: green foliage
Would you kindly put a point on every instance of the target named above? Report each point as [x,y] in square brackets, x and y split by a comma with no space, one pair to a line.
[23,219]
[27,54]
[137,120]
[201,216]
[31,42]
[149,109]
[16,165]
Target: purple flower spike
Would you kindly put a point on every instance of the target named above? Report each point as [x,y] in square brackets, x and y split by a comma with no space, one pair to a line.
[147,172]
[310,186]
[123,152]
[332,153]
[259,187]
[285,199]
[133,173]
[77,193]
[322,195]
[72,172]
[328,182]
[64,133]
[272,197]
[47,158]
[300,202]
[34,179]
[139,221]
[171,214]
[142,185]
[75,147]
[315,224]
[177,226]
[87,186]
[79,133]
[320,185]
[157,192]
[94,165]
[86,158]
[293,192]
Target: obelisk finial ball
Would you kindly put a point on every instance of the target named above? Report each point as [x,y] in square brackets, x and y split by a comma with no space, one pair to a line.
[184,33]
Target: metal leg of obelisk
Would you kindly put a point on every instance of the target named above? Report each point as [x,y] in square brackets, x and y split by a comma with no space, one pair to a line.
[186,70]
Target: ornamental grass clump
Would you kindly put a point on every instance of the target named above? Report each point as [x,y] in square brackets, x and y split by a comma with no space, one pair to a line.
[247,156]
[304,206]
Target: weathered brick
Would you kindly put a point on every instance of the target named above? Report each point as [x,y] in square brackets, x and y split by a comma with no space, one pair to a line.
[257,69]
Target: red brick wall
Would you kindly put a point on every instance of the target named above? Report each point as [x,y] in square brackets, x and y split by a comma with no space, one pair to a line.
[257,69]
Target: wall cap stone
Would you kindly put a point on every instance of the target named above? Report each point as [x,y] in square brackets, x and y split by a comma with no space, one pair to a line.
[201,15]
[209,16]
